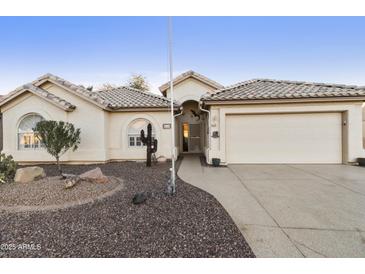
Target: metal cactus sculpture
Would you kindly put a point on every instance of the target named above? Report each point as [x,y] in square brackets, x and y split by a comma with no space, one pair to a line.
[147,141]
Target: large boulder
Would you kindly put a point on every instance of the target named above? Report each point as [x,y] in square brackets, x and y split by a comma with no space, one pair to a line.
[95,175]
[29,174]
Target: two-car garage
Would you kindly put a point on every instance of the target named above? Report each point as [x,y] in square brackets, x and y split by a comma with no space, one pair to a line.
[284,138]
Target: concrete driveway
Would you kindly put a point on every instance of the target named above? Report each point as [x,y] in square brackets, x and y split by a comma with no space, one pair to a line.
[290,210]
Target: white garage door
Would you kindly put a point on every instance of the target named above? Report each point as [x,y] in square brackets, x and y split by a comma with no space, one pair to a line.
[284,138]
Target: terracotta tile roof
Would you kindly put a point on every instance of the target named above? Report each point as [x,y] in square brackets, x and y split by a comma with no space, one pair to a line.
[126,97]
[266,89]
[40,92]
[115,99]
[192,74]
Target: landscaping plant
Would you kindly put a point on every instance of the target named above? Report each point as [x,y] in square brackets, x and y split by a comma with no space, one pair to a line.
[7,168]
[58,137]
[149,142]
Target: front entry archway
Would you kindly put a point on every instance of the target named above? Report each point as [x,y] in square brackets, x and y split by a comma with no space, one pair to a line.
[191,126]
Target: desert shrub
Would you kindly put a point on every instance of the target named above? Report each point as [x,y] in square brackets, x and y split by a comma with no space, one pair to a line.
[7,168]
[58,137]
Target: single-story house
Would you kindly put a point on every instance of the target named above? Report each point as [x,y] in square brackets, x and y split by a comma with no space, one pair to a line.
[256,121]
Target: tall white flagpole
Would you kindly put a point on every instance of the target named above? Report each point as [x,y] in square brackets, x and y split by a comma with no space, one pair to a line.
[171,188]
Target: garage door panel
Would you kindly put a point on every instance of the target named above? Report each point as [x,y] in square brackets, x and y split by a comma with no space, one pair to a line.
[284,138]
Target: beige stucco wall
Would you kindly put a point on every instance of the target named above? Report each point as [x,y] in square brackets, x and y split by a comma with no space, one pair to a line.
[353,140]
[91,119]
[189,89]
[103,134]
[118,135]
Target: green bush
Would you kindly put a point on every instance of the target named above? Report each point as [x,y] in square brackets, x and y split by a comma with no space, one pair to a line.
[7,168]
[58,137]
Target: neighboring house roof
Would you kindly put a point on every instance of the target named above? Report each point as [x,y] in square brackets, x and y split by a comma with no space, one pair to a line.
[126,97]
[190,74]
[266,89]
[40,92]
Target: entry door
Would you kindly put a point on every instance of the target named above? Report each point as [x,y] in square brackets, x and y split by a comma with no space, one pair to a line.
[194,140]
[191,137]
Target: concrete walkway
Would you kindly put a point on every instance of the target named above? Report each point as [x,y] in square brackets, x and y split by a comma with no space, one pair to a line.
[289,210]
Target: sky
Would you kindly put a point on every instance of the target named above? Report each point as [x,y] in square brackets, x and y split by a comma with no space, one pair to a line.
[97,50]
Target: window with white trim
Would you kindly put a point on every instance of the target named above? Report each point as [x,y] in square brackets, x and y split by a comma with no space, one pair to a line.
[134,132]
[26,137]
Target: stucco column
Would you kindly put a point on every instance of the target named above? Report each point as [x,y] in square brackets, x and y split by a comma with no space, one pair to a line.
[214,141]
[354,121]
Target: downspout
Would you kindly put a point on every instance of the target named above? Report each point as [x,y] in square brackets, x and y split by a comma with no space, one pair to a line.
[209,127]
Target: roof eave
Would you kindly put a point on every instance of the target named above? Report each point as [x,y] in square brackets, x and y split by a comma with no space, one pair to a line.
[6,100]
[134,109]
[283,101]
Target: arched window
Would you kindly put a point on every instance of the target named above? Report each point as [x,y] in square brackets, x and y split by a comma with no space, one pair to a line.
[26,136]
[134,132]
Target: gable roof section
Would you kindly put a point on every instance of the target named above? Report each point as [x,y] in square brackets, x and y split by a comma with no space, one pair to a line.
[126,97]
[50,97]
[78,90]
[266,89]
[190,74]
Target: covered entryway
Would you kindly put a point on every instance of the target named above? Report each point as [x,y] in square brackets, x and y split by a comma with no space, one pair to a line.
[190,128]
[284,138]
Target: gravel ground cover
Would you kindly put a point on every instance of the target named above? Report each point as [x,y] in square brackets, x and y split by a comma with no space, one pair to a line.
[51,191]
[191,224]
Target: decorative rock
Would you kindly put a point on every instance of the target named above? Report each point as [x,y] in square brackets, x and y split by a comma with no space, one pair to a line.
[71,181]
[28,174]
[139,198]
[161,159]
[95,175]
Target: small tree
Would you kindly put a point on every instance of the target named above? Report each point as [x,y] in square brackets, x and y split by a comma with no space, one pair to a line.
[107,87]
[58,137]
[138,81]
